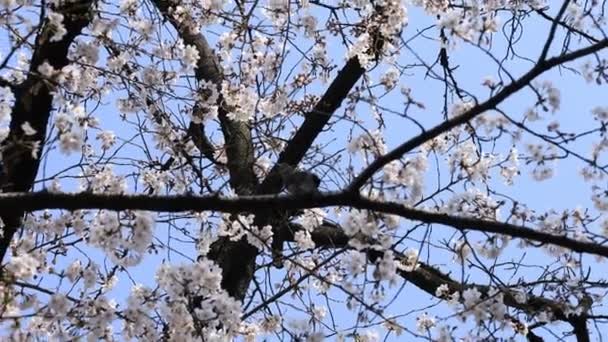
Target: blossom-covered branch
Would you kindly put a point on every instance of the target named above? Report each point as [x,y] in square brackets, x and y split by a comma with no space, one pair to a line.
[22,149]
[441,285]
[9,202]
[239,146]
[478,109]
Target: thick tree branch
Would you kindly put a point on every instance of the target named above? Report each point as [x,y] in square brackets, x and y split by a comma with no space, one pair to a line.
[33,104]
[314,122]
[581,331]
[428,279]
[236,272]
[5,83]
[481,108]
[13,202]
[237,135]
[301,142]
[296,148]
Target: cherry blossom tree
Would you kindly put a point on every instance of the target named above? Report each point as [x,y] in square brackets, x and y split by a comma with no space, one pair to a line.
[303,170]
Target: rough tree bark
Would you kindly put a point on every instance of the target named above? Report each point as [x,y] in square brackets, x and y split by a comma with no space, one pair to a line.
[33,104]
[238,272]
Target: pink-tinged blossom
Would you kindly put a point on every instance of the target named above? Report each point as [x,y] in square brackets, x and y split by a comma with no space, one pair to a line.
[358,221]
[390,78]
[600,113]
[74,271]
[424,323]
[27,129]
[71,141]
[471,297]
[312,218]
[7,99]
[304,240]
[45,69]
[242,101]
[107,138]
[23,266]
[409,261]
[442,291]
[386,268]
[59,305]
[309,22]
[575,15]
[275,104]
[369,336]
[373,143]
[355,262]
[86,52]
[190,57]
[56,21]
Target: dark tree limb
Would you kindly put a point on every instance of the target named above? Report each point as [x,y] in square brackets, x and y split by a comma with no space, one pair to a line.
[197,134]
[428,278]
[478,109]
[532,337]
[237,135]
[5,83]
[313,123]
[552,30]
[237,272]
[581,331]
[33,104]
[12,202]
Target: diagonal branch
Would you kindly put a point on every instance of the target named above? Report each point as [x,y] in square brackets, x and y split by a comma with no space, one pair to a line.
[570,28]
[314,122]
[428,279]
[236,272]
[301,142]
[489,104]
[33,104]
[552,31]
[237,135]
